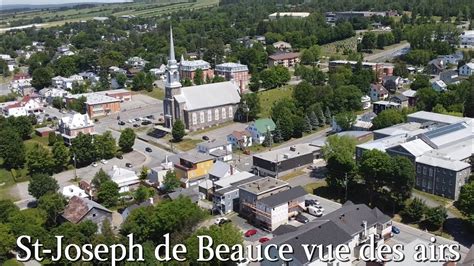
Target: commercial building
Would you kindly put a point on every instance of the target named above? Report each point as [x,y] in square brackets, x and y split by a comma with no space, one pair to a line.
[284,59]
[276,162]
[235,72]
[278,15]
[352,224]
[103,102]
[378,107]
[439,149]
[187,69]
[70,126]
[225,197]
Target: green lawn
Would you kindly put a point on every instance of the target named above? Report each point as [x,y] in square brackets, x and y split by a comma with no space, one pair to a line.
[187,144]
[311,187]
[37,139]
[268,97]
[6,181]
[156,93]
[291,175]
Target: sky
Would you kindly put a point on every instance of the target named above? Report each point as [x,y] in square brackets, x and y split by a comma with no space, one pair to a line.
[42,2]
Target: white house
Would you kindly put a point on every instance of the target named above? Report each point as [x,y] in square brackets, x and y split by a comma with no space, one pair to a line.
[73,190]
[467,69]
[439,86]
[48,94]
[259,128]
[365,100]
[157,174]
[126,179]
[136,62]
[159,72]
[217,148]
[26,106]
[467,39]
[240,139]
[452,59]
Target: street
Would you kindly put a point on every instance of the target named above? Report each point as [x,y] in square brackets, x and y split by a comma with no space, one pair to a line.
[388,54]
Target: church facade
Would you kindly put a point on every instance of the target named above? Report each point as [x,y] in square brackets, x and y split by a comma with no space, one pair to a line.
[200,106]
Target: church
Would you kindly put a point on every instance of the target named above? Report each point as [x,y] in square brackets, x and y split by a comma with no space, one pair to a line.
[199,106]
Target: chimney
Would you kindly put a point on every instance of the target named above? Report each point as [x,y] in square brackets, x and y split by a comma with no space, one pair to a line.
[231,169]
[365,227]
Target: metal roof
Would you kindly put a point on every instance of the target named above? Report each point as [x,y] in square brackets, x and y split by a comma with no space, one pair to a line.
[284,197]
[209,95]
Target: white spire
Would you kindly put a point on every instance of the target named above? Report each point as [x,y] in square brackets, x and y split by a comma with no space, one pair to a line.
[182,59]
[172,57]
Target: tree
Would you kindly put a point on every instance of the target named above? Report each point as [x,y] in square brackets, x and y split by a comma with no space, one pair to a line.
[286,127]
[100,178]
[61,156]
[105,145]
[178,130]
[217,79]
[345,120]
[374,168]
[142,194]
[22,125]
[311,55]
[327,116]
[368,41]
[170,181]
[313,118]
[7,241]
[41,184]
[226,234]
[53,204]
[465,202]
[304,95]
[307,124]
[414,211]
[12,149]
[142,81]
[435,217]
[66,66]
[108,193]
[83,149]
[187,82]
[198,78]
[144,173]
[339,152]
[268,141]
[52,138]
[401,180]
[426,99]
[121,79]
[78,105]
[420,81]
[277,137]
[127,140]
[251,106]
[39,160]
[41,78]
[387,118]
[401,70]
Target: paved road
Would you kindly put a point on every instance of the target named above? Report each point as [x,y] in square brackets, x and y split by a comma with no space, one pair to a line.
[388,54]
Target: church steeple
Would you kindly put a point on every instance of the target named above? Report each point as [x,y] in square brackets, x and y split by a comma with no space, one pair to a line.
[172,58]
[172,71]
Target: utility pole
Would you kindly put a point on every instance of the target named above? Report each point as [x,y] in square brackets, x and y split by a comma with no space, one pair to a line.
[345,181]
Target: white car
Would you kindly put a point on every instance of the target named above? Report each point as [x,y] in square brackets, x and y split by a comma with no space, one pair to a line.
[94,164]
[315,211]
[220,220]
[131,121]
[104,161]
[320,207]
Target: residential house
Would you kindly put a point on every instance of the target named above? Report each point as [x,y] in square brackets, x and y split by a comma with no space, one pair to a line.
[192,168]
[240,139]
[378,92]
[129,209]
[352,224]
[64,50]
[411,95]
[284,59]
[71,126]
[450,77]
[190,192]
[435,66]
[73,191]
[187,69]
[235,72]
[380,106]
[439,86]
[159,72]
[452,59]
[26,106]
[157,174]
[275,210]
[281,45]
[221,149]
[127,180]
[365,100]
[20,81]
[467,39]
[400,99]
[83,209]
[48,94]
[136,62]
[277,162]
[226,192]
[11,64]
[392,83]
[222,170]
[467,69]
[259,129]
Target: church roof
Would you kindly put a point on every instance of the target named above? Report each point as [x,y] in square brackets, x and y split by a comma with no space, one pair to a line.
[209,95]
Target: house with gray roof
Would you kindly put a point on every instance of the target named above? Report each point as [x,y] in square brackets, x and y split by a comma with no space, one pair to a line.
[352,224]
[81,209]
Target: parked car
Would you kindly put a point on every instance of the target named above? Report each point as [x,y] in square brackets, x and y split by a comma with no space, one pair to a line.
[104,161]
[250,232]
[146,122]
[205,137]
[319,207]
[148,149]
[120,156]
[264,239]
[129,165]
[121,123]
[94,164]
[131,121]
[395,230]
[301,218]
[314,211]
[136,125]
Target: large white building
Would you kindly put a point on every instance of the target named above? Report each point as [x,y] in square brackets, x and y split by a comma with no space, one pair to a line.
[126,179]
[70,126]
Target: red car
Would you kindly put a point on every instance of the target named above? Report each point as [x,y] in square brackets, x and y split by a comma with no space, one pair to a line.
[250,232]
[263,239]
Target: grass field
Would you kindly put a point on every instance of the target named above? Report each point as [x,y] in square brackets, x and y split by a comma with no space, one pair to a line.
[156,93]
[55,17]
[268,97]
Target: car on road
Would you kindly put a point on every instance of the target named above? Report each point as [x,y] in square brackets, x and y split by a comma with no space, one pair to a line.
[264,239]
[205,137]
[395,230]
[129,165]
[120,156]
[148,149]
[104,161]
[131,121]
[250,232]
[94,164]
[301,218]
[121,123]
[150,116]
[146,122]
[136,125]
[221,221]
